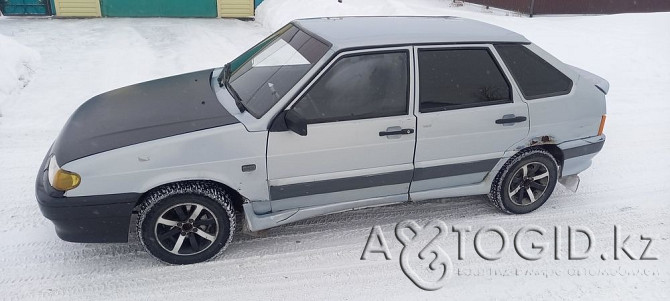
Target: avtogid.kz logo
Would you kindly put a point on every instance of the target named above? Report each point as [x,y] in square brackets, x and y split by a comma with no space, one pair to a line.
[429,267]
[413,238]
[413,246]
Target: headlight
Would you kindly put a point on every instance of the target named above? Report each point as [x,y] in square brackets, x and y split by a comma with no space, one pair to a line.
[60,179]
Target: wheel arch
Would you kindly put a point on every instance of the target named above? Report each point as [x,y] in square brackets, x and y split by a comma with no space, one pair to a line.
[555,151]
[546,143]
[236,198]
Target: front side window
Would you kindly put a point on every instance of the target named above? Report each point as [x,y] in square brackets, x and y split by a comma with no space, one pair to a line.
[358,87]
[459,78]
[536,77]
[265,73]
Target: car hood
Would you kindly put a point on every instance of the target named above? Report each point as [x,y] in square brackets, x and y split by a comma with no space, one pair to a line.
[139,113]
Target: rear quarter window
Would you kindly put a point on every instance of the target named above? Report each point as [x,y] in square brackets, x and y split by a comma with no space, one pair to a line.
[536,77]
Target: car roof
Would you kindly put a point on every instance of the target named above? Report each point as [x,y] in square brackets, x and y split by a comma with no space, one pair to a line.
[362,32]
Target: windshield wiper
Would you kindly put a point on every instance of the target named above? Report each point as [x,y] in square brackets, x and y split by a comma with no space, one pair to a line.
[223,76]
[223,81]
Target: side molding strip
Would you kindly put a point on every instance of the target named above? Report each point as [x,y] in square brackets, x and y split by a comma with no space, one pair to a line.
[392,178]
[450,170]
[335,185]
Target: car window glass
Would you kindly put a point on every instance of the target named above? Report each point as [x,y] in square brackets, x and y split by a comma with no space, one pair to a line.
[266,72]
[459,78]
[277,54]
[536,77]
[360,86]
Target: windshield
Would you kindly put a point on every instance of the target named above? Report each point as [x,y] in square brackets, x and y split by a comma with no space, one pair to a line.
[262,75]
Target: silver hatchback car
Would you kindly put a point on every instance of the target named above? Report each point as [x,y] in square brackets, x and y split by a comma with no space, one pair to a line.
[324,115]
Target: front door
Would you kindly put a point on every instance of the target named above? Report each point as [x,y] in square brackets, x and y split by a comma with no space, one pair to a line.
[360,134]
[467,116]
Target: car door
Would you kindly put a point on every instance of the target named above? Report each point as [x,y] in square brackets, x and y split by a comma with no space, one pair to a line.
[360,134]
[468,115]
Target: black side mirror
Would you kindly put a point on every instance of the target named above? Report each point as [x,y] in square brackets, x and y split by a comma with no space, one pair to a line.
[296,123]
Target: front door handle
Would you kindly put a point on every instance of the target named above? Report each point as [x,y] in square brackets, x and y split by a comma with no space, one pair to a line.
[393,131]
[508,119]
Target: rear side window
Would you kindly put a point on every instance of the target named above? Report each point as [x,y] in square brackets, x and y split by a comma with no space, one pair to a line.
[536,77]
[460,78]
[358,87]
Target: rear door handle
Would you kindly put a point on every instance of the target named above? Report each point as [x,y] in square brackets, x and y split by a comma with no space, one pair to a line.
[392,131]
[508,119]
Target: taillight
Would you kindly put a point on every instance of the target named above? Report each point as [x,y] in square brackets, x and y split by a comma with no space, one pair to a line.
[602,125]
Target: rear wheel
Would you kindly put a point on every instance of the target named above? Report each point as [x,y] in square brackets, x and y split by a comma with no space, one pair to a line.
[184,224]
[525,182]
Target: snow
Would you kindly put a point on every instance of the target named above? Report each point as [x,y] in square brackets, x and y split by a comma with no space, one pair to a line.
[320,258]
[275,14]
[17,66]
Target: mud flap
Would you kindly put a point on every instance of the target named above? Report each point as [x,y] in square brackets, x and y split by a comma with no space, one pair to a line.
[570,182]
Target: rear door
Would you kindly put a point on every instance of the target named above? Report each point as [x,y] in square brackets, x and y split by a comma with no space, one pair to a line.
[360,134]
[467,116]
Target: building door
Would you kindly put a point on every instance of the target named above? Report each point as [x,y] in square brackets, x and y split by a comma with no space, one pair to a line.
[25,7]
[159,8]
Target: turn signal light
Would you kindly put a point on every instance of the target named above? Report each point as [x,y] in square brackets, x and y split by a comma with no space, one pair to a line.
[65,180]
[602,125]
[60,179]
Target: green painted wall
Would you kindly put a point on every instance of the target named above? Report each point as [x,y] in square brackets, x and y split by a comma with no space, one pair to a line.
[158,8]
[24,7]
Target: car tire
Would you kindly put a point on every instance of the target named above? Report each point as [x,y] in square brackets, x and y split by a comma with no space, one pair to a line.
[186,223]
[525,181]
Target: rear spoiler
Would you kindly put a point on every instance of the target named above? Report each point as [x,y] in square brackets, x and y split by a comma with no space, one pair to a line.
[600,83]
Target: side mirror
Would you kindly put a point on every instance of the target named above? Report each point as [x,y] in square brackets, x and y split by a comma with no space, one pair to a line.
[296,123]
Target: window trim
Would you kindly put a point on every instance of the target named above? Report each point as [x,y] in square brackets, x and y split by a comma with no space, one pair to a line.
[491,54]
[343,55]
[543,61]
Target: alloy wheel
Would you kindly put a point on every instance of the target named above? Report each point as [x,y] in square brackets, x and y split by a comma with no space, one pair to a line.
[528,183]
[186,229]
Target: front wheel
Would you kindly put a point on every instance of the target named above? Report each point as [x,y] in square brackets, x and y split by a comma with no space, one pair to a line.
[184,224]
[525,182]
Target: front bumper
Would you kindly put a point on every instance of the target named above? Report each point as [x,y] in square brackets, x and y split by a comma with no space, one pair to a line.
[101,218]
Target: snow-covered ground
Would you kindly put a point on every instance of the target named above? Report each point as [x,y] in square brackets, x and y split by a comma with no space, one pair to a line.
[628,184]
[17,66]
